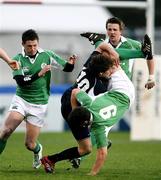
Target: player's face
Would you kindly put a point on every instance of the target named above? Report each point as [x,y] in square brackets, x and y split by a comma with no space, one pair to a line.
[114,33]
[31,47]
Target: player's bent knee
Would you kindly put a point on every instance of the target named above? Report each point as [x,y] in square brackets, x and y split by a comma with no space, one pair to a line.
[5,133]
[88,151]
[85,150]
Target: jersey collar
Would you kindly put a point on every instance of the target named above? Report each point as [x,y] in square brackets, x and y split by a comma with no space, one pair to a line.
[32,60]
[123,39]
[40,50]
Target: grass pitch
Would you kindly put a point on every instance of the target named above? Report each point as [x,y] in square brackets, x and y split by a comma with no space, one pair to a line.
[126,161]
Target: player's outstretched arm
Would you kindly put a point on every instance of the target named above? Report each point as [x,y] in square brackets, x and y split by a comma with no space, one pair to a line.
[147,47]
[12,63]
[147,50]
[151,80]
[100,159]
[69,66]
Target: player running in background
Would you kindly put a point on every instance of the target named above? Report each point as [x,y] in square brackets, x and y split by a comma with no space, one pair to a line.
[12,63]
[101,113]
[114,29]
[32,92]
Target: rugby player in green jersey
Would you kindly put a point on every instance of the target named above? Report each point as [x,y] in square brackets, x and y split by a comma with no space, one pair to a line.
[114,29]
[12,63]
[32,92]
[106,110]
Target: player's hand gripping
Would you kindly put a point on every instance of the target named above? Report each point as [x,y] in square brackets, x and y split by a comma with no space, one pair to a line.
[44,70]
[72,59]
[14,65]
[150,83]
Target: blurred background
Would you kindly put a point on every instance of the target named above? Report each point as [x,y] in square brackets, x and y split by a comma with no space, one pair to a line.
[59,24]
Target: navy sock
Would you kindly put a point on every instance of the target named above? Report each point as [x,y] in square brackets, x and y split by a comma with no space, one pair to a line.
[70,153]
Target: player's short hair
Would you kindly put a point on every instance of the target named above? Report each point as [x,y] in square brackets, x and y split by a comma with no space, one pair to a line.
[81,116]
[30,34]
[99,64]
[115,20]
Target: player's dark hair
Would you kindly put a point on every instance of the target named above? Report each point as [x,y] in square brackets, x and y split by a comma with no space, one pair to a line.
[80,115]
[99,63]
[30,34]
[115,20]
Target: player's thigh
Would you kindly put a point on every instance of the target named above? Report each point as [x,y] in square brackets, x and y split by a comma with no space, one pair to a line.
[13,120]
[66,104]
[16,113]
[36,114]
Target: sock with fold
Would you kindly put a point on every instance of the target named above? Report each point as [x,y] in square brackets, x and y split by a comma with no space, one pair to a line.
[37,148]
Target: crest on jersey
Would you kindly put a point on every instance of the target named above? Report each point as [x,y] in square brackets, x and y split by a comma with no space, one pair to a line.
[43,65]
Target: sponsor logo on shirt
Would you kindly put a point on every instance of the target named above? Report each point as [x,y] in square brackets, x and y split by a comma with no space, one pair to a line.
[25,69]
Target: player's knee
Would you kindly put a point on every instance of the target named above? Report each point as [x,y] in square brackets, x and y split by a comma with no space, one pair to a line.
[5,133]
[85,150]
[88,150]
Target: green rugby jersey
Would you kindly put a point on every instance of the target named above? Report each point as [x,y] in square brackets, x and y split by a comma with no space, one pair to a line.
[38,91]
[109,107]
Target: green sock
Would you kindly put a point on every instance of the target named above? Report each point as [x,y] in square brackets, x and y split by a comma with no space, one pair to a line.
[129,53]
[2,145]
[37,148]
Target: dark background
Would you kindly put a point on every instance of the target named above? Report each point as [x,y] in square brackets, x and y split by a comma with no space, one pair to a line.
[136,17]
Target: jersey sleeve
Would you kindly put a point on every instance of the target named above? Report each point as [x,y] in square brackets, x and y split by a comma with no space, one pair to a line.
[25,80]
[99,133]
[84,99]
[56,61]
[135,44]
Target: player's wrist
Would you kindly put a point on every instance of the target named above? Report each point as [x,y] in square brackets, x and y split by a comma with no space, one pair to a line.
[151,77]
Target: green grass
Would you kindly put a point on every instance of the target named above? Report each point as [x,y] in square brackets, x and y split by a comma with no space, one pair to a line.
[126,161]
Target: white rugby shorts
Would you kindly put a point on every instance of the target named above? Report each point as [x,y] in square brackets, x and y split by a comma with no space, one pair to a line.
[33,113]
